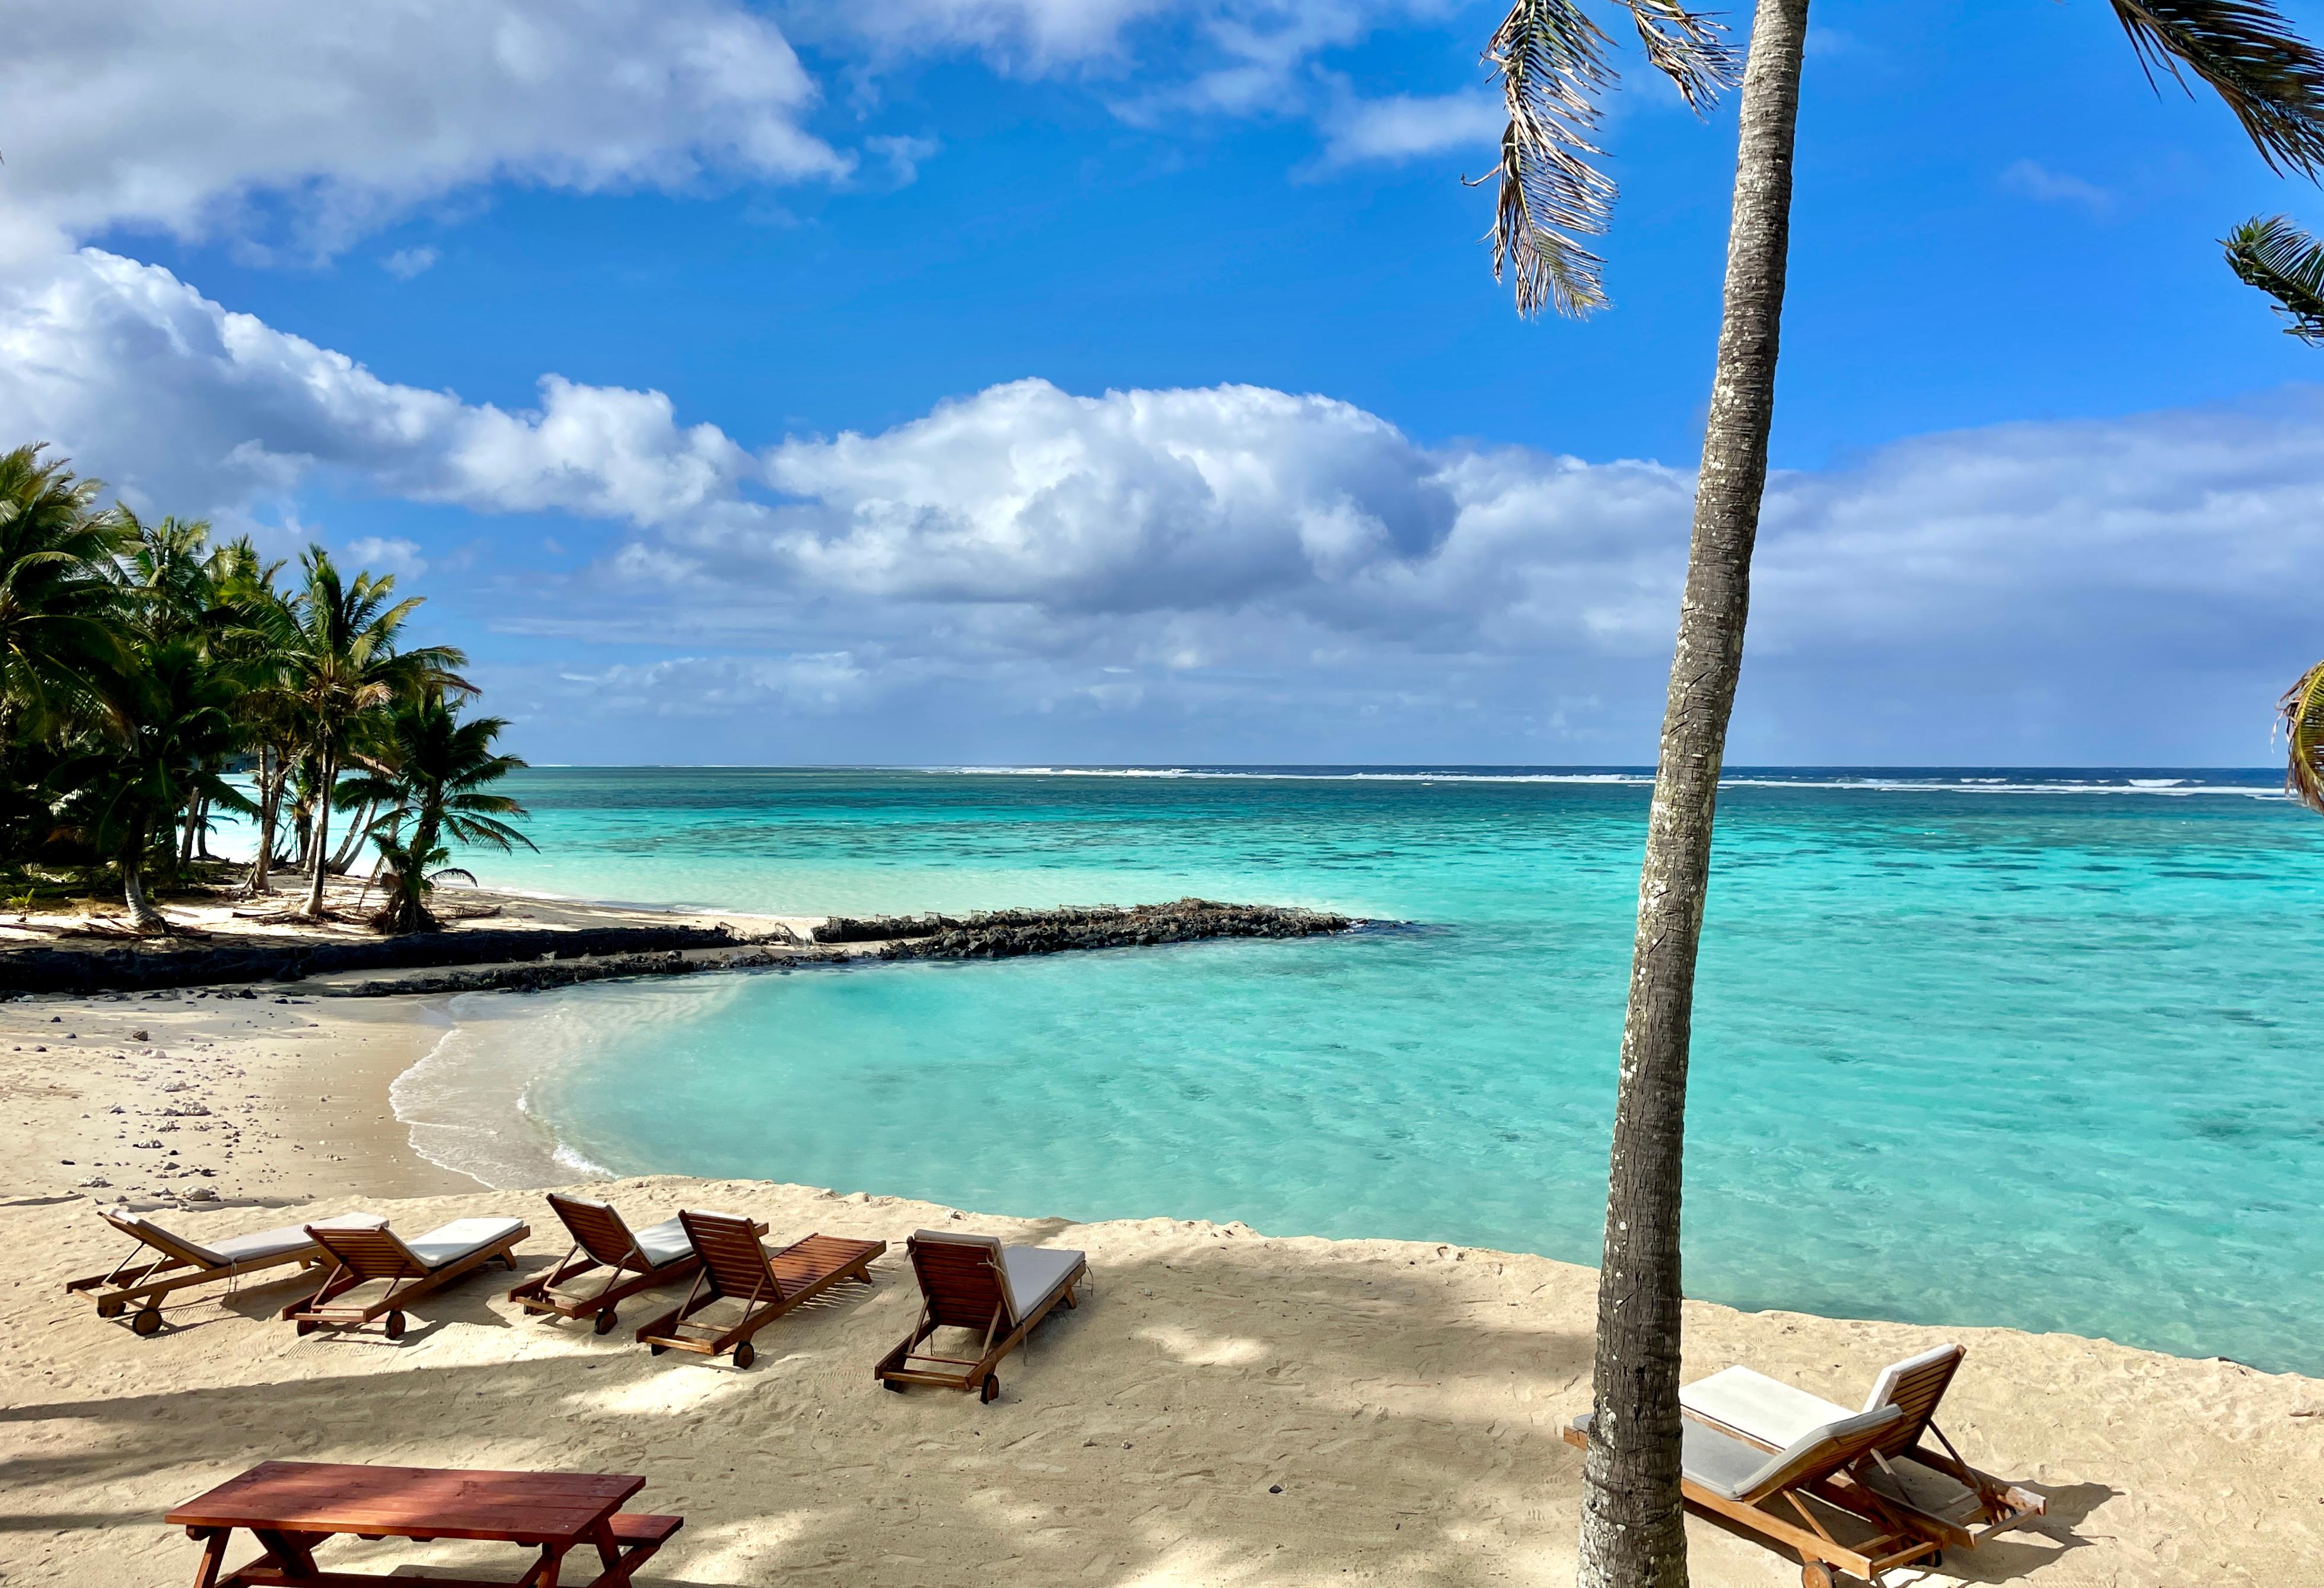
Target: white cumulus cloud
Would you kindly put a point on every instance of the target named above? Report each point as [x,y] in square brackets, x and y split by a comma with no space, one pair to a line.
[199,118]
[1174,561]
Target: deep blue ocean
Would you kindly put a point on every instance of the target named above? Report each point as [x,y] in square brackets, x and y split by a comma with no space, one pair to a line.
[1971,1046]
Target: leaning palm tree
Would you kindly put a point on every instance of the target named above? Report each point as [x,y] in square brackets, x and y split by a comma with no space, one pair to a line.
[432,770]
[344,660]
[1554,62]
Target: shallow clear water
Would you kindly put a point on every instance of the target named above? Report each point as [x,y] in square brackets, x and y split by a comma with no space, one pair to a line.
[2029,1050]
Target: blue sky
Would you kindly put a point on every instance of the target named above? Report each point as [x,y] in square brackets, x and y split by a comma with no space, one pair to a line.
[1289,481]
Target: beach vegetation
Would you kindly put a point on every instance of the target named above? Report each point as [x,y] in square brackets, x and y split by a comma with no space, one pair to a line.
[2284,262]
[1554,62]
[427,776]
[153,679]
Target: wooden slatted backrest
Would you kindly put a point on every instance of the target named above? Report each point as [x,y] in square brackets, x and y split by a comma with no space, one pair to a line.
[160,1239]
[731,1255]
[1914,1386]
[960,1277]
[599,1230]
[373,1251]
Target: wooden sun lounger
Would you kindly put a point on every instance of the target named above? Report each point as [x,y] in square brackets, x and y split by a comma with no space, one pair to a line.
[184,1262]
[660,1254]
[767,1285]
[1750,1486]
[973,1282]
[411,1273]
[1770,1414]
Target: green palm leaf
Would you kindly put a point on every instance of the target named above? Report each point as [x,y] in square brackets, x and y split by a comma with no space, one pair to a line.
[2267,74]
[2302,715]
[2288,265]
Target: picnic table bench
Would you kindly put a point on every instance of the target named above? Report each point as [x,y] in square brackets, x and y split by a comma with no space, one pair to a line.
[291,1506]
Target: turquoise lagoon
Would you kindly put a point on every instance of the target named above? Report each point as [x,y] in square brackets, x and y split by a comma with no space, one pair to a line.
[1974,1046]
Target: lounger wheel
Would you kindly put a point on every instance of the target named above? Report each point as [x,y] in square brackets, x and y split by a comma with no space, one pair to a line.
[990,1391]
[1816,1574]
[148,1320]
[607,1320]
[745,1354]
[304,1328]
[656,1350]
[395,1326]
[896,1385]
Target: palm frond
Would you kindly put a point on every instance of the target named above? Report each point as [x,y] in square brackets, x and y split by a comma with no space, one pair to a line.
[1551,59]
[2288,265]
[2269,75]
[1553,63]
[2301,714]
[1690,48]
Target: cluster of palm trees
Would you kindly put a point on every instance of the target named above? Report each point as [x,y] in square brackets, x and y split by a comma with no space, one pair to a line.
[152,679]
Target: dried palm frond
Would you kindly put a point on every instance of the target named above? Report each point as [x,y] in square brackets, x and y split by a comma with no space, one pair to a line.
[1552,60]
[2301,714]
[2269,75]
[2288,265]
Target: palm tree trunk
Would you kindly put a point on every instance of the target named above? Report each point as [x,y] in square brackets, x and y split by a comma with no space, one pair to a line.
[1633,1526]
[319,852]
[269,796]
[353,843]
[142,913]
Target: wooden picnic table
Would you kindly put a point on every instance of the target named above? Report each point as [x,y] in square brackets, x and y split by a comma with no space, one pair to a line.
[291,1506]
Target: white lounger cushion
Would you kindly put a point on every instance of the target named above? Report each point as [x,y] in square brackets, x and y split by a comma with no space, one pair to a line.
[1774,1413]
[1733,1470]
[451,1242]
[1766,1409]
[1032,1274]
[234,1249]
[664,1243]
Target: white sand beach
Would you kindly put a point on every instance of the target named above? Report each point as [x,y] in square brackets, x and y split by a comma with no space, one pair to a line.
[1227,1409]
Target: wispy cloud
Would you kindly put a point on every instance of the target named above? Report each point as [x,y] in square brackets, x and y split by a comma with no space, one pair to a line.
[2032,179]
[407,262]
[1403,126]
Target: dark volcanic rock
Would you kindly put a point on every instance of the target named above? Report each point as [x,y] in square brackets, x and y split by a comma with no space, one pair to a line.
[540,974]
[880,929]
[84,970]
[1004,934]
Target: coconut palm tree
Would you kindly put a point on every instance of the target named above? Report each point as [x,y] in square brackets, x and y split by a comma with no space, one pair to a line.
[1553,62]
[56,605]
[344,660]
[56,608]
[431,770]
[169,723]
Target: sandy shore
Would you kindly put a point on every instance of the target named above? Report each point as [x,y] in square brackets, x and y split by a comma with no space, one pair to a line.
[1404,1398]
